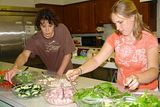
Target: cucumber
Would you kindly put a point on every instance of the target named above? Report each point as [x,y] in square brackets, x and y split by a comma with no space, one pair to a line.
[28,90]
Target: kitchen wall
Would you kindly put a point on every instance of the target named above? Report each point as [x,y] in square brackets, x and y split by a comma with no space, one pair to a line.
[31,3]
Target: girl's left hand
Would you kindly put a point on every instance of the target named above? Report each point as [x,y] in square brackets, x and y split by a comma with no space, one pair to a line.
[132,82]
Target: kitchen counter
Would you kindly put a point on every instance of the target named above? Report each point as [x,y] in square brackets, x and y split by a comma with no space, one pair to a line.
[82,82]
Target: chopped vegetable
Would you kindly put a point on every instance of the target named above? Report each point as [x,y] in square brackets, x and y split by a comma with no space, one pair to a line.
[144,100]
[23,78]
[27,90]
[5,85]
[107,90]
[103,90]
[2,74]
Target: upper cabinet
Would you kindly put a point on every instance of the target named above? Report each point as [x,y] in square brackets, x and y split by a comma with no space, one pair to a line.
[103,11]
[148,10]
[87,17]
[84,17]
[58,9]
[80,17]
[71,18]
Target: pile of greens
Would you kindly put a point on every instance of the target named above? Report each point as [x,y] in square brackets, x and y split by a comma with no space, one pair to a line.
[107,90]
[103,90]
[23,78]
[144,100]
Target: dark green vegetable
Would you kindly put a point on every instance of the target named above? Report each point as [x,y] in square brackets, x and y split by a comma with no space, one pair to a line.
[107,90]
[27,90]
[103,90]
[23,78]
[144,100]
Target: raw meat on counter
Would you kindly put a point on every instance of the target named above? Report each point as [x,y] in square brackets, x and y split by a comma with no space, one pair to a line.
[59,95]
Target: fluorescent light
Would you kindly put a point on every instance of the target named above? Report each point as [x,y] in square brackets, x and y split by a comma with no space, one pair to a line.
[144,0]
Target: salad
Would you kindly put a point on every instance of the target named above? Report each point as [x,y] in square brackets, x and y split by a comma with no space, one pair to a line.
[27,90]
[107,91]
[23,77]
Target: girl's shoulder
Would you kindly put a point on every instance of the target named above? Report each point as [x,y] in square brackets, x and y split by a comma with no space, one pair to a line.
[114,36]
[148,36]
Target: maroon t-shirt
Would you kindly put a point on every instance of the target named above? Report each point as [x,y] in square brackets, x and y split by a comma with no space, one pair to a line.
[52,51]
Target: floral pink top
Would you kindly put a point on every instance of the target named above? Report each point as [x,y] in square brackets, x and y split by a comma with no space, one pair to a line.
[131,57]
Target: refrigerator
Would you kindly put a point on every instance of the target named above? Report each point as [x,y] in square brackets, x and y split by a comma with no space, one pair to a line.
[16,26]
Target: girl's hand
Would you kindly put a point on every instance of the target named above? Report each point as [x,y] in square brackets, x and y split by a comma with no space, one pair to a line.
[73,74]
[132,82]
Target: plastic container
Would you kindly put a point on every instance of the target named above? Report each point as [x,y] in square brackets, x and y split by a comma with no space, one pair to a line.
[81,103]
[59,91]
[27,90]
[59,82]
[59,95]
[105,102]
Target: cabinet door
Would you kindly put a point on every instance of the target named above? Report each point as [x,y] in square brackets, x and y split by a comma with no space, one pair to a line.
[103,11]
[71,18]
[148,10]
[58,10]
[87,17]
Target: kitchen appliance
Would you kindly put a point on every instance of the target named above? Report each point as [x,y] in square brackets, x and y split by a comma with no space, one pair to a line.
[16,26]
[93,41]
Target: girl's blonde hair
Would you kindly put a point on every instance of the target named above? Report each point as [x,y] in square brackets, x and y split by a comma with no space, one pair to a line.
[127,8]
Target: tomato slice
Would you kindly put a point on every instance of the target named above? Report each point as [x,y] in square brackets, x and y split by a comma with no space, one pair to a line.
[5,85]
[2,74]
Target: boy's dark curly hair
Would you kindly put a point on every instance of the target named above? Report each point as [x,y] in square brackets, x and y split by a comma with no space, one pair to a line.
[46,14]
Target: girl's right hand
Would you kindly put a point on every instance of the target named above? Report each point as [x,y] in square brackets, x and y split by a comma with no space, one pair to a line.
[132,82]
[73,74]
[9,75]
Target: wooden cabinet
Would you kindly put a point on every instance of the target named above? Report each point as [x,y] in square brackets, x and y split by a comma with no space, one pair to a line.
[71,18]
[57,9]
[80,17]
[103,11]
[148,10]
[84,17]
[87,17]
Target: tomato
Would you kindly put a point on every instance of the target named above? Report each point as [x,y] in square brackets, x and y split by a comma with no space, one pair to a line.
[2,74]
[5,85]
